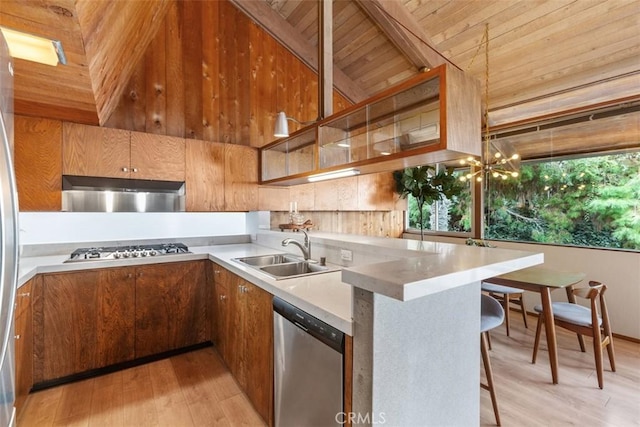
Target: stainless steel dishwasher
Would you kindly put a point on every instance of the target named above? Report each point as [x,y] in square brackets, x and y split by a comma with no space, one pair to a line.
[308,371]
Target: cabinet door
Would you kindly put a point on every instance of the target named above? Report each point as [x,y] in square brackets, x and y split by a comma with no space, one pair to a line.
[87,321]
[24,343]
[171,307]
[257,347]
[95,151]
[204,176]
[70,318]
[116,316]
[38,162]
[221,313]
[157,157]
[244,331]
[240,178]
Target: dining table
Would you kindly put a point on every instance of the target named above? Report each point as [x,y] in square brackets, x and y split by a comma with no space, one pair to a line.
[544,280]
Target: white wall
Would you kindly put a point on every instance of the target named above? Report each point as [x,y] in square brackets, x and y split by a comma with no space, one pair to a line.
[72,227]
[619,270]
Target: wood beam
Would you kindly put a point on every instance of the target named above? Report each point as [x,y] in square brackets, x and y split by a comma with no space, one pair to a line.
[260,12]
[325,53]
[397,23]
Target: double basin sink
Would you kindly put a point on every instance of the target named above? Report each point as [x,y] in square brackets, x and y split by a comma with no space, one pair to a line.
[283,266]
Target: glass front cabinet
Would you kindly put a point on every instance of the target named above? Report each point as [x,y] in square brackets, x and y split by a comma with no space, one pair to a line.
[430,118]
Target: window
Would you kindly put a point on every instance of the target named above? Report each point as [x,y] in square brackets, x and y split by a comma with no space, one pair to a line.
[588,201]
[447,215]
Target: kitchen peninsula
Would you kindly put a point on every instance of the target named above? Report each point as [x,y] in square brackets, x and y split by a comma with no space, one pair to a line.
[411,307]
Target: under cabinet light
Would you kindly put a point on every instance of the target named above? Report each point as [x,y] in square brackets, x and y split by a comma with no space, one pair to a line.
[342,173]
[33,48]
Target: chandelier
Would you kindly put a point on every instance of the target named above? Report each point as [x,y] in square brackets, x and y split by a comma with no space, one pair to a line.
[495,165]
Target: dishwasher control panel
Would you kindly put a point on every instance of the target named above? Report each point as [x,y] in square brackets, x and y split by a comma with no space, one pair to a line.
[320,330]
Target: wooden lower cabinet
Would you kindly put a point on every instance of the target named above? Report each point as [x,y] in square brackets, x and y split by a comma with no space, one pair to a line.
[171,307]
[23,343]
[83,321]
[96,318]
[244,331]
[221,313]
[254,326]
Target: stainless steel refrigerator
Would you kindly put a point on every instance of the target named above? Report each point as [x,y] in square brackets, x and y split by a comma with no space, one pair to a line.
[8,240]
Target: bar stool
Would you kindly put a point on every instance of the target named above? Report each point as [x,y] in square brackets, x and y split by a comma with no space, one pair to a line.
[491,316]
[506,295]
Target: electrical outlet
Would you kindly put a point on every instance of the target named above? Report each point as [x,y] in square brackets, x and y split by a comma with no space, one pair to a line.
[346,255]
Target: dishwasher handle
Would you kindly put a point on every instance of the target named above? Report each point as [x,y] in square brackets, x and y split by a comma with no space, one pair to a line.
[315,327]
[301,326]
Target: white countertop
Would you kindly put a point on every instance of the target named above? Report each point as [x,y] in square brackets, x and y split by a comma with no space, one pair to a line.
[396,268]
[439,267]
[322,295]
[405,269]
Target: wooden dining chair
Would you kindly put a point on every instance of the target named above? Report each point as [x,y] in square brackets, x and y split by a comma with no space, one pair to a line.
[507,295]
[584,321]
[491,316]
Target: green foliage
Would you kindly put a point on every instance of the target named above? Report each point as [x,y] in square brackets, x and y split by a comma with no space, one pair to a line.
[426,185]
[415,220]
[586,202]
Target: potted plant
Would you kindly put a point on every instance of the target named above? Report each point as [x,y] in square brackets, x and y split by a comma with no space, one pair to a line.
[426,185]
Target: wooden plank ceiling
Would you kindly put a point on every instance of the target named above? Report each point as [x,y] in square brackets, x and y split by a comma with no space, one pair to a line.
[102,40]
[537,48]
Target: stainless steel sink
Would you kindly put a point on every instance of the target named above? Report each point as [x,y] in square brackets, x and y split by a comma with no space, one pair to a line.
[283,266]
[263,260]
[294,269]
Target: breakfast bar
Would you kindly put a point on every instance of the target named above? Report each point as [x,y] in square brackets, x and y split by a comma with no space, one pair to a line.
[416,346]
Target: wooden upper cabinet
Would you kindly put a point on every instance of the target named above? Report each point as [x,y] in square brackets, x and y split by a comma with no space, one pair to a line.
[157,157]
[95,151]
[240,178]
[38,163]
[204,175]
[115,153]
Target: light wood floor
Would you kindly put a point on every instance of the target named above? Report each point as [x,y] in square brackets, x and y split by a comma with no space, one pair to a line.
[526,396]
[192,389]
[195,389]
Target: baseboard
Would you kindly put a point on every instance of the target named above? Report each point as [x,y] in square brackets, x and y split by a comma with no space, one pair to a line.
[116,367]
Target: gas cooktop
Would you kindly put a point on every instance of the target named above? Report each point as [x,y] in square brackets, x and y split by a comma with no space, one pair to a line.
[125,252]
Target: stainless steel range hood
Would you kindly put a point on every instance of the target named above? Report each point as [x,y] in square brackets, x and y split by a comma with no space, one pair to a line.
[94,194]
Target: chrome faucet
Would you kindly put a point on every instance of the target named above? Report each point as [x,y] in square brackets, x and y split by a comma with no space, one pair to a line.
[306,248]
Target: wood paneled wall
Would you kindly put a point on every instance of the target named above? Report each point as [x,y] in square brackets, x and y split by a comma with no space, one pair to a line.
[212,74]
[366,223]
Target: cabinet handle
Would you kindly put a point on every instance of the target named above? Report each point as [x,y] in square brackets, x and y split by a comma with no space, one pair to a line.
[140,274]
[125,169]
[223,297]
[216,271]
[17,337]
[134,170]
[24,294]
[129,275]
